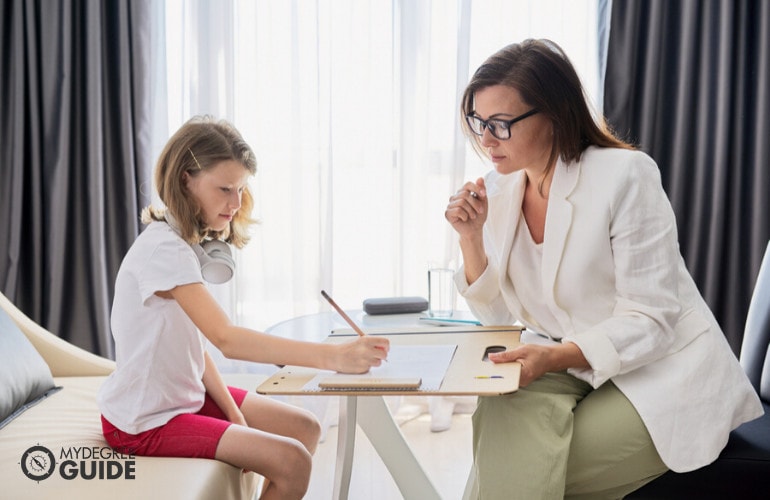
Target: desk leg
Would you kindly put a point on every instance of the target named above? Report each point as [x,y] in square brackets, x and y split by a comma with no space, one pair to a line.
[471,487]
[377,423]
[346,440]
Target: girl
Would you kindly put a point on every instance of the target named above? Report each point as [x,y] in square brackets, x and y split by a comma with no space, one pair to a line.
[166,397]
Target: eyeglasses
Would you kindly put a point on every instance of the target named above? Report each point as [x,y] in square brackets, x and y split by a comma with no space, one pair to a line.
[500,129]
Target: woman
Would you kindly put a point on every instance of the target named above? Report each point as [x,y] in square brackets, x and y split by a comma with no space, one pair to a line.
[166,397]
[572,235]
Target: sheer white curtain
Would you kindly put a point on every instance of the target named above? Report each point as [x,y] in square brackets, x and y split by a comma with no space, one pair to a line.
[352,109]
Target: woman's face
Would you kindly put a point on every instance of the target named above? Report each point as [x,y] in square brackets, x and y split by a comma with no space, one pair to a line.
[218,191]
[529,146]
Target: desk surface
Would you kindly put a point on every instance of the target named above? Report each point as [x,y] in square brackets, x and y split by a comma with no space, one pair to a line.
[461,378]
[317,326]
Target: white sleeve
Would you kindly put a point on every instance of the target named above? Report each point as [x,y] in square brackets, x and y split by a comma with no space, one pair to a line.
[172,263]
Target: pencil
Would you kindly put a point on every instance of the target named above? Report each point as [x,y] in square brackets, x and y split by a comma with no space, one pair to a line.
[346,317]
[342,313]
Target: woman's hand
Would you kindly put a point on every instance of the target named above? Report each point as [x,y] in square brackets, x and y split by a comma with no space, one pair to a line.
[467,213]
[467,209]
[536,360]
[361,354]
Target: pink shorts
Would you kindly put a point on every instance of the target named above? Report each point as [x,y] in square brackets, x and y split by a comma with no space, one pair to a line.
[189,435]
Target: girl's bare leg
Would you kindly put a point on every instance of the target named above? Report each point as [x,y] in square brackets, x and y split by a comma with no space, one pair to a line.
[278,444]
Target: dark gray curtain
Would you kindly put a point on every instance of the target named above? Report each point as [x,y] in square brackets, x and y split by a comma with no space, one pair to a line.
[689,83]
[74,106]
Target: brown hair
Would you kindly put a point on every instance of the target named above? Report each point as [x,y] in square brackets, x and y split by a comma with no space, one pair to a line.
[200,144]
[547,81]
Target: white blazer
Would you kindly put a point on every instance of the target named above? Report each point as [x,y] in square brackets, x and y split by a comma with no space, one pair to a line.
[614,279]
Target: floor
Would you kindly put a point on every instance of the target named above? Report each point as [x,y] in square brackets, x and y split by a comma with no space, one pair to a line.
[445,456]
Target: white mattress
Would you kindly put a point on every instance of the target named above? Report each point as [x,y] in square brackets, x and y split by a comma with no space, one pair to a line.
[66,423]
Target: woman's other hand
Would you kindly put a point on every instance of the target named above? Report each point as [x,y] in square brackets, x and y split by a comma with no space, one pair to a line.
[467,213]
[467,209]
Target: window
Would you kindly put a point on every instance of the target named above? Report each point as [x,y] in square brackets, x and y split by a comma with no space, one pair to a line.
[352,109]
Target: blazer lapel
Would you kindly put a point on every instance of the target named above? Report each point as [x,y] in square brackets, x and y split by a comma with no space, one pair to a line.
[505,211]
[557,225]
[505,205]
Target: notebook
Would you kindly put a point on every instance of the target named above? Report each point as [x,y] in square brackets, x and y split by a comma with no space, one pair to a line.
[354,382]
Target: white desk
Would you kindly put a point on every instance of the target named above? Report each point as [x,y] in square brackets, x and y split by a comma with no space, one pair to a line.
[371,413]
[316,327]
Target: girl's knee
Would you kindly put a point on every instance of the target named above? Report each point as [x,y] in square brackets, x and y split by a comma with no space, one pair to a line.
[309,430]
[295,457]
[312,426]
[293,476]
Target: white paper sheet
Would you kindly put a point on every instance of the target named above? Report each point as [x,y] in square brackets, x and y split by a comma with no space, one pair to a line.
[428,362]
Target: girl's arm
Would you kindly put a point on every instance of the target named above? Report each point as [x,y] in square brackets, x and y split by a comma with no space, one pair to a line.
[242,343]
[217,390]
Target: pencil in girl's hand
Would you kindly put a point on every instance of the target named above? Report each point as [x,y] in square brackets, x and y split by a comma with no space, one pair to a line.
[342,313]
[345,316]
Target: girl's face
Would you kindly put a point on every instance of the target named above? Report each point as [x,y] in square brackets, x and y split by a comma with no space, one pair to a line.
[218,191]
[529,146]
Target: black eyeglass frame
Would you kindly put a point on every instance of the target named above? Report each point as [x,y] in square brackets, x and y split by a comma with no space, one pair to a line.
[506,123]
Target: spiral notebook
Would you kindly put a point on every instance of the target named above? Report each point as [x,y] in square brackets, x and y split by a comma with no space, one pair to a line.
[409,367]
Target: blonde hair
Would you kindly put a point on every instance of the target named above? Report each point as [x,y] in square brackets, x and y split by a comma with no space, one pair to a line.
[200,144]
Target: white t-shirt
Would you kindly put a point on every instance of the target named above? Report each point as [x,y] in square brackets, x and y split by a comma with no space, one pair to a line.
[159,350]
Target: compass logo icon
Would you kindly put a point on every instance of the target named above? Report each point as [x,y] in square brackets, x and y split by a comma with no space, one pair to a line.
[38,463]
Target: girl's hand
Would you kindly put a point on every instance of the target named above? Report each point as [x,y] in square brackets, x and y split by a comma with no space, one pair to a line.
[361,354]
[467,209]
[237,417]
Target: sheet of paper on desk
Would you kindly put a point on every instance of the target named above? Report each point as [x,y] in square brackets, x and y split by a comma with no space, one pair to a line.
[428,362]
